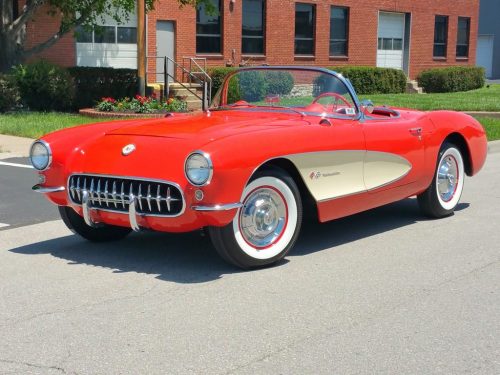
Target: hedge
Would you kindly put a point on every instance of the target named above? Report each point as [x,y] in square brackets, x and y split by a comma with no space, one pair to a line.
[365,79]
[92,84]
[9,93]
[369,80]
[44,86]
[451,79]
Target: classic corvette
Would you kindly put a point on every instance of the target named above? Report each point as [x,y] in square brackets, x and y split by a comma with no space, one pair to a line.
[275,142]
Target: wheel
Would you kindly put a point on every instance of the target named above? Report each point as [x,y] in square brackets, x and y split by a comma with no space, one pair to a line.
[443,195]
[102,233]
[266,227]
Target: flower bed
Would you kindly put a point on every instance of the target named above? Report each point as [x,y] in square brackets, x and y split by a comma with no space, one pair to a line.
[141,105]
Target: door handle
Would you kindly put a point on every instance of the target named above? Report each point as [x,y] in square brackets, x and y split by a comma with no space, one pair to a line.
[417,132]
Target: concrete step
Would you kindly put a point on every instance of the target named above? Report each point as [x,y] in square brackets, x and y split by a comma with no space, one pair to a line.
[413,88]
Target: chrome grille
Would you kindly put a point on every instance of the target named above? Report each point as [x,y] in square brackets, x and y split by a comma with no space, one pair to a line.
[110,193]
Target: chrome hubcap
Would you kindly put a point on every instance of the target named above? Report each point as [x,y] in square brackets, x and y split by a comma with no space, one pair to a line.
[447,178]
[263,217]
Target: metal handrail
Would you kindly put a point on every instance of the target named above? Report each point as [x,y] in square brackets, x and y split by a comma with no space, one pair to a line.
[205,98]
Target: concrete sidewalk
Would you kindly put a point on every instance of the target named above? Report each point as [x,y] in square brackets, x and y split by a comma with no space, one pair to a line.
[13,147]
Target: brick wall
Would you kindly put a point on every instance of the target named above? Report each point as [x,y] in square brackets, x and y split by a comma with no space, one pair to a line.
[279,32]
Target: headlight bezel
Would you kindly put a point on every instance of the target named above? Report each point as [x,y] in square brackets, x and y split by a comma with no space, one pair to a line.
[49,154]
[210,168]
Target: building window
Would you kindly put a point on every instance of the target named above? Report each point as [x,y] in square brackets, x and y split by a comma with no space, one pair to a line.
[208,29]
[463,35]
[440,36]
[339,31]
[305,16]
[107,34]
[390,44]
[252,32]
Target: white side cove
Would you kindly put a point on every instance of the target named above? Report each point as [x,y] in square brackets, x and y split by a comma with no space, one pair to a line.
[335,174]
[391,28]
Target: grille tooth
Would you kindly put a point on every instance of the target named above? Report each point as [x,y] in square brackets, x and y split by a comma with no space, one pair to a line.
[158,198]
[122,194]
[148,198]
[115,194]
[78,188]
[139,196]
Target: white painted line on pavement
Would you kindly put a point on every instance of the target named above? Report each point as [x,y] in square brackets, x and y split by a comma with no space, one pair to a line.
[2,225]
[16,165]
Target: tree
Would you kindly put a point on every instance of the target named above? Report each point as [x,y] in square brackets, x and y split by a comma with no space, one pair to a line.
[73,13]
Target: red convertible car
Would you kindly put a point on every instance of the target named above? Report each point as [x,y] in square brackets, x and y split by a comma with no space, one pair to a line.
[275,141]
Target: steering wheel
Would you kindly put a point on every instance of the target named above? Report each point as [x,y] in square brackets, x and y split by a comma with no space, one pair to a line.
[333,95]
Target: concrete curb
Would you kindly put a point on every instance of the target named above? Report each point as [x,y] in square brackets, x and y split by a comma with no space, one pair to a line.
[484,114]
[493,147]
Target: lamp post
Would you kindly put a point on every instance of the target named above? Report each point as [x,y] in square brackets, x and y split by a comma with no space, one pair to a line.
[141,46]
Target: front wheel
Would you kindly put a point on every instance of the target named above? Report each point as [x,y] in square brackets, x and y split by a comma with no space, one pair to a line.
[443,195]
[102,233]
[266,227]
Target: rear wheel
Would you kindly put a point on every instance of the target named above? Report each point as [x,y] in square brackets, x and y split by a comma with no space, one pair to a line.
[443,195]
[266,227]
[102,233]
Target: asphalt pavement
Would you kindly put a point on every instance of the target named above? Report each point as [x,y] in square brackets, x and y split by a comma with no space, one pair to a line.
[385,291]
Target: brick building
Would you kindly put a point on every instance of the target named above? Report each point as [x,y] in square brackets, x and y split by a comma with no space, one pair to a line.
[405,34]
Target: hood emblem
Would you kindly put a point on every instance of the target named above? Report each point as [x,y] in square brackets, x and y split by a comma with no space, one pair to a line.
[128,149]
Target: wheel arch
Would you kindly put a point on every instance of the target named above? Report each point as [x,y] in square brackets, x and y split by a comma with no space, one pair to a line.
[308,202]
[459,140]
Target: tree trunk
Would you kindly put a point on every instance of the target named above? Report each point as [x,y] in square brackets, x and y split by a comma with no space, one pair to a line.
[9,52]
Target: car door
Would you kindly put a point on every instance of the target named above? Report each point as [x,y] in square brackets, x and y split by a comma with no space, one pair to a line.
[394,152]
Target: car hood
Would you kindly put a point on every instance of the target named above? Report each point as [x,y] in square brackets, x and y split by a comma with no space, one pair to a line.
[205,127]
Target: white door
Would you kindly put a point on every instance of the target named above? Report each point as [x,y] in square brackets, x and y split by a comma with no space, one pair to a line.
[391,30]
[485,53]
[165,46]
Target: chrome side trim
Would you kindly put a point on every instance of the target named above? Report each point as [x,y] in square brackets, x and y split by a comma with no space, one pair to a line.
[132,214]
[41,189]
[217,207]
[86,209]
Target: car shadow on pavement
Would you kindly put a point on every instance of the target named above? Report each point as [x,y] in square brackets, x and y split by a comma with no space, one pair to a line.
[190,258]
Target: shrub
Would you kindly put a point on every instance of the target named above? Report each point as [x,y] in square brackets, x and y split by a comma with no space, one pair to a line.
[44,86]
[253,85]
[451,79]
[218,75]
[279,83]
[92,84]
[9,94]
[371,80]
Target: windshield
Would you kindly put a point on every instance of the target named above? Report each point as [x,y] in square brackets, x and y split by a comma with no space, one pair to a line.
[303,91]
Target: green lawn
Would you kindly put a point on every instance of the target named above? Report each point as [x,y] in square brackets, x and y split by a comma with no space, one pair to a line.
[35,124]
[485,99]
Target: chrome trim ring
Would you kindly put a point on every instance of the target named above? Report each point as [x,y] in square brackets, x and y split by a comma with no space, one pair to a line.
[49,163]
[217,207]
[263,218]
[41,189]
[447,178]
[210,167]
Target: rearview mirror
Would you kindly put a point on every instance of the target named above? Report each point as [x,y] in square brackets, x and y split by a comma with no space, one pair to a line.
[368,105]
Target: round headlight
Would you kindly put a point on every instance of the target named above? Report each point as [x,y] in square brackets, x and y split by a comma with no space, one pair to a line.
[198,168]
[40,155]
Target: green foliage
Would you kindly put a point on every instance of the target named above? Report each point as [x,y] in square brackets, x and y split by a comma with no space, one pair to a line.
[372,80]
[218,75]
[253,85]
[92,84]
[279,82]
[44,86]
[141,104]
[9,94]
[451,79]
